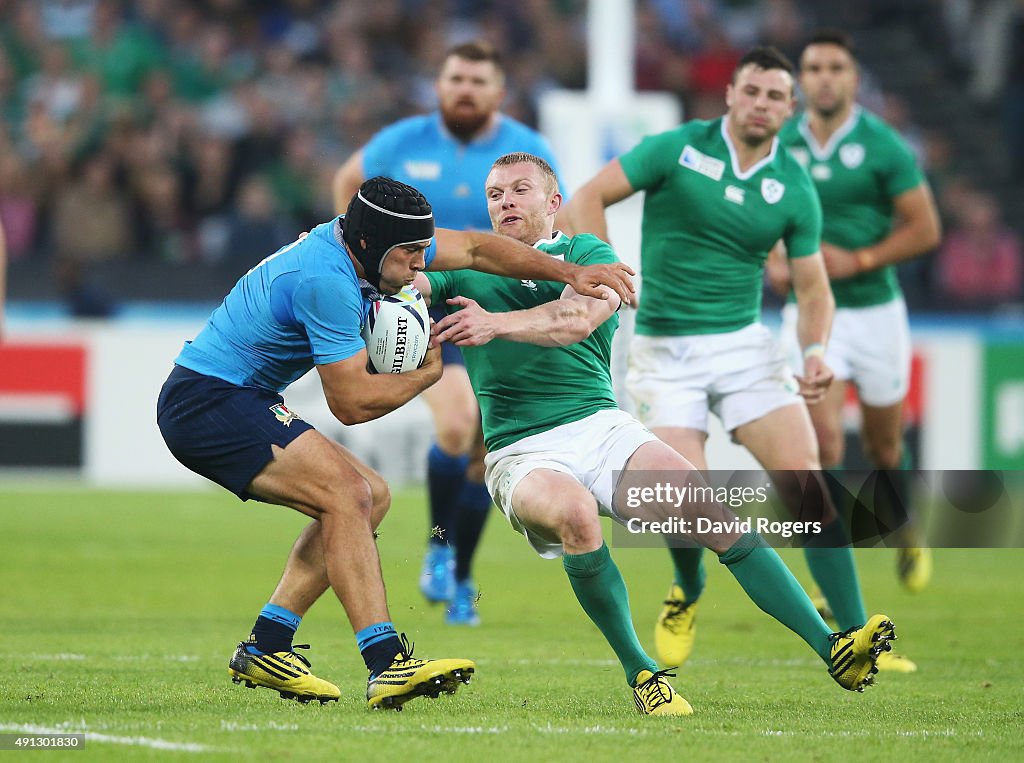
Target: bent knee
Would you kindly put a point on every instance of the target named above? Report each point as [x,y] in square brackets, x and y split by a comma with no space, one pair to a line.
[351,493]
[578,524]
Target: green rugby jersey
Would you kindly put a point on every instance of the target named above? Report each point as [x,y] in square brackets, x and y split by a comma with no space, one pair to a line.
[524,389]
[858,173]
[707,227]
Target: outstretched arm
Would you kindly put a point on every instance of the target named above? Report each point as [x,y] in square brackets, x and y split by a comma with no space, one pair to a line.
[564,321]
[504,256]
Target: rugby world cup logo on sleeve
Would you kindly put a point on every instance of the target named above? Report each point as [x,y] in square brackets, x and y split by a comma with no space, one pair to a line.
[772,190]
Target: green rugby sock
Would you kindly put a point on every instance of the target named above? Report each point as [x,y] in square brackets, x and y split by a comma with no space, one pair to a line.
[689,571]
[833,569]
[772,587]
[601,591]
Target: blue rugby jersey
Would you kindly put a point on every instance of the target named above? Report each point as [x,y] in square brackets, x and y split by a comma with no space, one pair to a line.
[422,152]
[301,306]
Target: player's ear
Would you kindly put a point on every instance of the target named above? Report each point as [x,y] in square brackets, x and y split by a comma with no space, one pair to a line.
[555,204]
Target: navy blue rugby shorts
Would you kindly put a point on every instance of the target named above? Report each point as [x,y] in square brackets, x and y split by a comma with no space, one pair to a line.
[451,355]
[221,430]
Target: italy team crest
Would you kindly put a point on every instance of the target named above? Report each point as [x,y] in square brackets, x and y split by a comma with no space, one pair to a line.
[282,414]
[772,190]
[851,155]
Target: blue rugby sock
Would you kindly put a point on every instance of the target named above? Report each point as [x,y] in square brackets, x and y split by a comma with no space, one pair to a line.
[446,476]
[274,630]
[378,644]
[470,517]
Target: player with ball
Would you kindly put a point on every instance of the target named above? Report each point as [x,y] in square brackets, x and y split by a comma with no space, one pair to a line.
[222,415]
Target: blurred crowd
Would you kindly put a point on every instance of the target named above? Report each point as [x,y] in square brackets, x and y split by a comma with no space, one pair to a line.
[206,132]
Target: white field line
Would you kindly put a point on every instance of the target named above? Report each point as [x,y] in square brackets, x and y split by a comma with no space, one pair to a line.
[92,736]
[602,730]
[62,656]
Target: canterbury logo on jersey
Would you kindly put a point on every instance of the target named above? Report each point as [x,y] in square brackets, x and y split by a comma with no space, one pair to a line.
[694,160]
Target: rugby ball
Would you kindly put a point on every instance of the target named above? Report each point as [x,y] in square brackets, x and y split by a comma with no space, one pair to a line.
[397,332]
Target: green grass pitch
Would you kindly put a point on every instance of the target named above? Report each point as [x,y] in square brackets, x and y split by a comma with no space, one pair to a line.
[119,612]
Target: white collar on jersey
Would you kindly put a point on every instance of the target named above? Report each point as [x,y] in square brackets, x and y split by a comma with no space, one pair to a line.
[554,239]
[818,151]
[735,159]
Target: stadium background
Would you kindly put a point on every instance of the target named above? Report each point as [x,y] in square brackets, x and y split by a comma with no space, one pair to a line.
[150,152]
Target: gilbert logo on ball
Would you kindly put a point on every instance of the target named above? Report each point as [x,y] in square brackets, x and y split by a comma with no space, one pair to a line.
[397,332]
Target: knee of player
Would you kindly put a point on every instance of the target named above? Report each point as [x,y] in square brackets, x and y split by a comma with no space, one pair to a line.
[380,495]
[351,493]
[578,522]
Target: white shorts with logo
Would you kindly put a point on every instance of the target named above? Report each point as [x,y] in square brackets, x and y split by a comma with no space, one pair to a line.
[740,376]
[590,450]
[869,346]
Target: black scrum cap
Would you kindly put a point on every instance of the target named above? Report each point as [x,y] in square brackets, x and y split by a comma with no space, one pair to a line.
[384,214]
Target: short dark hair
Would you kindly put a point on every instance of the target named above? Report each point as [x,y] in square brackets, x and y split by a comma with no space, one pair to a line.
[835,37]
[764,57]
[477,50]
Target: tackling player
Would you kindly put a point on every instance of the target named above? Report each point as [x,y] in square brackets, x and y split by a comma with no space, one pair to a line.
[538,356]
[448,154]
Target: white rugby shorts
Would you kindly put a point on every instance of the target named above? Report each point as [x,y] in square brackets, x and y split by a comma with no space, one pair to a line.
[593,450]
[869,346]
[740,376]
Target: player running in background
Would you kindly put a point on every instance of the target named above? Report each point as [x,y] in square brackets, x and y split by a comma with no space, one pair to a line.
[448,154]
[538,356]
[878,211]
[719,194]
[222,415]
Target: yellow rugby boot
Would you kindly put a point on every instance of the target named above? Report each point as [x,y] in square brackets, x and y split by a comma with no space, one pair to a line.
[676,629]
[654,695]
[285,672]
[408,678]
[854,652]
